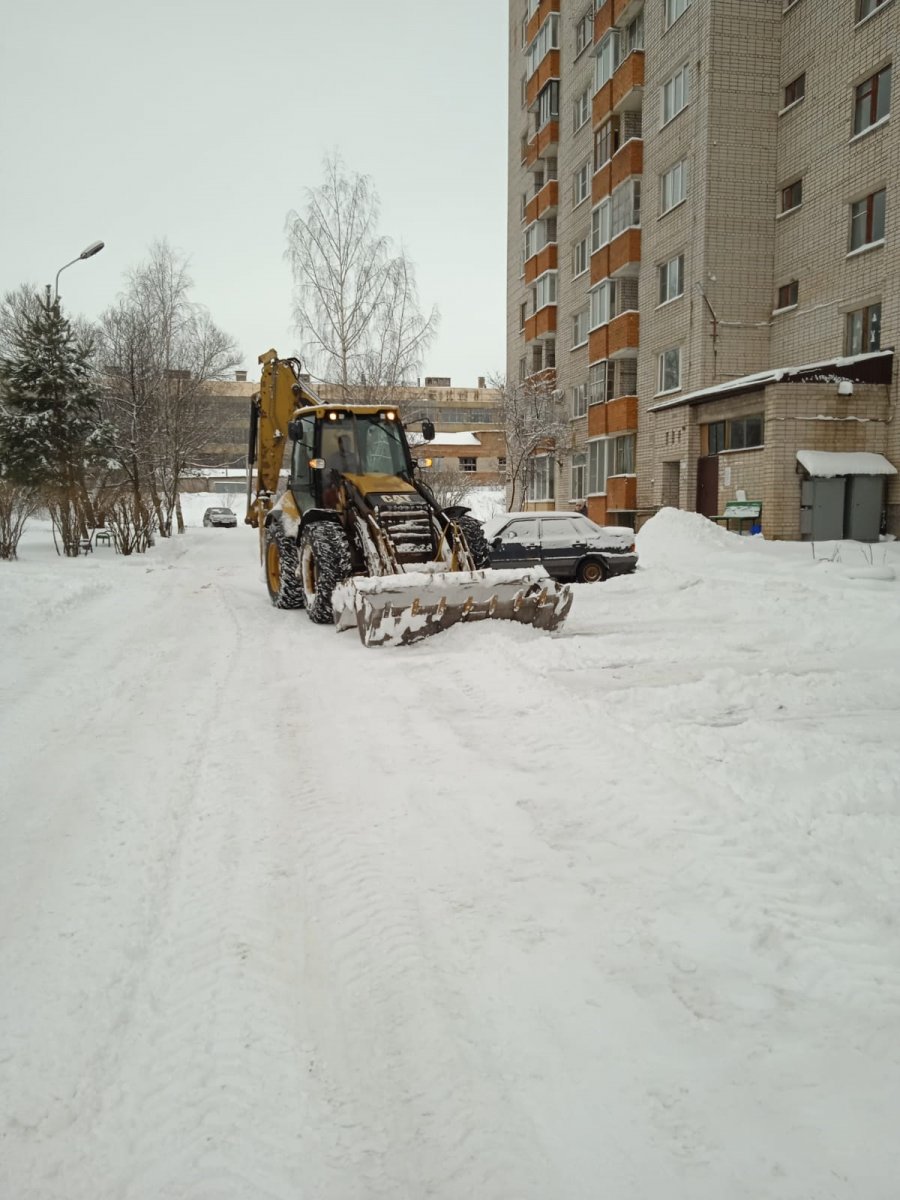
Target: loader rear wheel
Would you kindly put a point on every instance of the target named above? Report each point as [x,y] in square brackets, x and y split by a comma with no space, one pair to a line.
[281,562]
[324,563]
[478,543]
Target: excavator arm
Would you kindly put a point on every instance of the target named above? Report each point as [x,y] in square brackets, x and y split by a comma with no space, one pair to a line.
[281,392]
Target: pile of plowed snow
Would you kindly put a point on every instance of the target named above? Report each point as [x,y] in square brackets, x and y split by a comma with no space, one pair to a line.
[675,536]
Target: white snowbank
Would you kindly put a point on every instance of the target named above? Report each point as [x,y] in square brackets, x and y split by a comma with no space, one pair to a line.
[675,536]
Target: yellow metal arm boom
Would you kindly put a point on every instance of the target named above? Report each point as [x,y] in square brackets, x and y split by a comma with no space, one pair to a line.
[281,392]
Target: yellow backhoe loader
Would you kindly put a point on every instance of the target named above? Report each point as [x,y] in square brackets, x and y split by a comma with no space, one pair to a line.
[356,537]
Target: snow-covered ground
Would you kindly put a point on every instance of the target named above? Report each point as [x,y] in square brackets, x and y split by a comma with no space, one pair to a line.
[506,916]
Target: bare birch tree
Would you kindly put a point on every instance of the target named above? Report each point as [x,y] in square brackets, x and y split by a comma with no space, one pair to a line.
[160,350]
[356,305]
[535,422]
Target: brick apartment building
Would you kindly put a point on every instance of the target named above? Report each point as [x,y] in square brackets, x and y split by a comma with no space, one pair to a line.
[702,197]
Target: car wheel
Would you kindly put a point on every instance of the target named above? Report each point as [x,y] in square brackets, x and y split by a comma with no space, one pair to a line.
[206,524]
[592,570]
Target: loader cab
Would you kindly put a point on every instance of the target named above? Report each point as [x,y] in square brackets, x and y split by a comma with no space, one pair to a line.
[331,442]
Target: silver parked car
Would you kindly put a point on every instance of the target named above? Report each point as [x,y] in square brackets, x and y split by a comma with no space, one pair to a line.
[219,516]
[567,544]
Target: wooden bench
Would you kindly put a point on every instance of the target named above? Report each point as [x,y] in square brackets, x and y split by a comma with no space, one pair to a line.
[742,511]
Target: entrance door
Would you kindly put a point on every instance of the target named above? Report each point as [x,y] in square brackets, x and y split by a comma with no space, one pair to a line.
[822,509]
[708,486]
[671,484]
[865,500]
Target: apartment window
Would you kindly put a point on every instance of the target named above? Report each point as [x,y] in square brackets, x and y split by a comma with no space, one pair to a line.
[792,196]
[864,330]
[523,367]
[788,294]
[548,104]
[621,455]
[873,101]
[523,315]
[675,94]
[670,370]
[580,259]
[673,188]
[580,328]
[605,62]
[581,184]
[600,376]
[544,290]
[584,32]
[531,241]
[582,109]
[743,433]
[540,478]
[632,37]
[547,39]
[501,466]
[579,400]
[597,467]
[606,142]
[674,9]
[867,7]
[671,279]
[867,220]
[795,90]
[603,303]
[601,223]
[579,476]
[467,465]
[626,207]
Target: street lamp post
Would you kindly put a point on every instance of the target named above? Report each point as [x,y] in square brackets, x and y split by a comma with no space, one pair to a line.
[88,252]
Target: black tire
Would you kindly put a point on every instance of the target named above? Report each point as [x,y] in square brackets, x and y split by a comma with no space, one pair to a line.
[474,534]
[281,564]
[324,563]
[591,570]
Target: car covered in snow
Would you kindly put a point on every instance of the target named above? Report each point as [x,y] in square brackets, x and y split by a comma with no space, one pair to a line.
[567,544]
[219,516]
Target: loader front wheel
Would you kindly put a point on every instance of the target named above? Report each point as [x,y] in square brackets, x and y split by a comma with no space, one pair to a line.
[324,563]
[478,543]
[281,562]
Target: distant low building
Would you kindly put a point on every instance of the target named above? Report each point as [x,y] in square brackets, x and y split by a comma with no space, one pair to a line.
[468,421]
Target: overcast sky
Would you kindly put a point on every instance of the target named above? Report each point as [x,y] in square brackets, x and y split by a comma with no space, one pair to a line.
[203,122]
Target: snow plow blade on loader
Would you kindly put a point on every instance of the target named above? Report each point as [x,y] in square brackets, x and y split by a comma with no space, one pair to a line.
[405,608]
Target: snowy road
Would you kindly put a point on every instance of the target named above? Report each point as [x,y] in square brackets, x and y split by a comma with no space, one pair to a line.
[501,916]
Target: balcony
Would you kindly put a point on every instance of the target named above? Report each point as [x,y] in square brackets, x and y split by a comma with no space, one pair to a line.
[622,412]
[624,92]
[627,161]
[545,8]
[614,12]
[544,144]
[544,260]
[621,493]
[625,253]
[628,83]
[542,324]
[543,203]
[623,335]
[547,69]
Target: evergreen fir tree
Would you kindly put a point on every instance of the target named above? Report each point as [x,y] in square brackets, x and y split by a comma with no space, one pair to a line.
[51,434]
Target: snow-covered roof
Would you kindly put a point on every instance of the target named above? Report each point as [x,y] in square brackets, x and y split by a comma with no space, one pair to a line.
[860,368]
[445,439]
[824,464]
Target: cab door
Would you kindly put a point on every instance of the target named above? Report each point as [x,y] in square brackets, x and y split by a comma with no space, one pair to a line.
[517,545]
[304,479]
